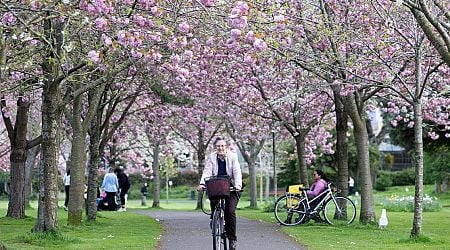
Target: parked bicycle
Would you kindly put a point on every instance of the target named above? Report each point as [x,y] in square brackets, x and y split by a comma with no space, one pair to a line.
[296,208]
[217,224]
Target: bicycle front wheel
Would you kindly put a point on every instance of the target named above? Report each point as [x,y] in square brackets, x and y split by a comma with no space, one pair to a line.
[290,210]
[218,225]
[339,211]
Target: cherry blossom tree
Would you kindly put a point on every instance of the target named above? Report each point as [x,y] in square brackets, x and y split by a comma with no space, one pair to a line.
[417,92]
[433,17]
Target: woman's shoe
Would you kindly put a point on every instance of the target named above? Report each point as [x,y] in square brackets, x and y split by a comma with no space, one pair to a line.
[233,245]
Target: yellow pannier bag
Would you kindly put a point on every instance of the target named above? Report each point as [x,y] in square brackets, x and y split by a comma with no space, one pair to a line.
[294,190]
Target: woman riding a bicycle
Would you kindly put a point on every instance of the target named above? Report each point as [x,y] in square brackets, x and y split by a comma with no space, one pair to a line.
[224,162]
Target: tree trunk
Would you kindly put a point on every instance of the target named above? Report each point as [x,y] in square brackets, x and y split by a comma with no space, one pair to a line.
[302,169]
[416,230]
[77,166]
[18,139]
[94,159]
[341,143]
[156,177]
[30,163]
[47,219]
[201,156]
[252,176]
[357,114]
[445,183]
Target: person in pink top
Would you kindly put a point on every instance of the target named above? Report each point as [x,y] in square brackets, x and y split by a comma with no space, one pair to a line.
[319,185]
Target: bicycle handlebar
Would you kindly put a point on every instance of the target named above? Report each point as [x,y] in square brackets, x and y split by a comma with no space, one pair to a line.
[232,189]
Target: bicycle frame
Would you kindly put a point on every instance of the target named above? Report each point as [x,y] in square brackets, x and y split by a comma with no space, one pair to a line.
[329,193]
[219,208]
[294,208]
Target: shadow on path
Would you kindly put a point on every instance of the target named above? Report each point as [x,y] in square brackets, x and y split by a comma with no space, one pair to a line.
[186,230]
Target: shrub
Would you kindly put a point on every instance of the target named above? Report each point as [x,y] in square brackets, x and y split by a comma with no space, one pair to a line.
[404,177]
[187,178]
[406,204]
[268,208]
[384,181]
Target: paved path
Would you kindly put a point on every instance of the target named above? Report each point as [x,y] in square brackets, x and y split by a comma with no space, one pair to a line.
[190,230]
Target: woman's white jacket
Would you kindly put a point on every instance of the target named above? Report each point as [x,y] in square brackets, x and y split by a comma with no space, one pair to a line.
[233,168]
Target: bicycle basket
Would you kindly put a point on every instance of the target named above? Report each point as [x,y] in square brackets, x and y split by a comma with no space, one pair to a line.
[218,187]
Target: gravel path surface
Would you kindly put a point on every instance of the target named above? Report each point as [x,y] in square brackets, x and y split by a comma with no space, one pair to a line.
[190,230]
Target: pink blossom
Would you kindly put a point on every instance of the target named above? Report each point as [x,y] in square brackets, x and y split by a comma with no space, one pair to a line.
[8,19]
[239,22]
[394,123]
[278,18]
[433,135]
[250,37]
[235,33]
[175,59]
[121,36]
[241,8]
[188,54]
[106,39]
[36,5]
[208,3]
[182,41]
[17,76]
[136,54]
[6,112]
[210,42]
[154,10]
[248,58]
[163,29]
[259,45]
[91,9]
[101,24]
[183,27]
[157,56]
[183,71]
[140,20]
[94,56]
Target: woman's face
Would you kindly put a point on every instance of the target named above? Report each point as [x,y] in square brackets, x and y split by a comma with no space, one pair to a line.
[316,175]
[221,147]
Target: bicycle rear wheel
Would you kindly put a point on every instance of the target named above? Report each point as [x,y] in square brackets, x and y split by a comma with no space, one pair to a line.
[290,210]
[340,211]
[218,226]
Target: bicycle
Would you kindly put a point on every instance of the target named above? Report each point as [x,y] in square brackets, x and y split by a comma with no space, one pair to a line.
[217,223]
[295,208]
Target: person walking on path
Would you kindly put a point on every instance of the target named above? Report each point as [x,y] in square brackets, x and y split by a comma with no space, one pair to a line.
[66,181]
[110,185]
[225,163]
[144,192]
[351,186]
[124,186]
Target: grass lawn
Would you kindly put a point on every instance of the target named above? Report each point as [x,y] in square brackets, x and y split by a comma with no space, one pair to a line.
[113,230]
[436,228]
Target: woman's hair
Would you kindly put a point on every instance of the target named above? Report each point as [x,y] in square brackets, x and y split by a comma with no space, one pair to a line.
[322,175]
[117,171]
[219,138]
[68,171]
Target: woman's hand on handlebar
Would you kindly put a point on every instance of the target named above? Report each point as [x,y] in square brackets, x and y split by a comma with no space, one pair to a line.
[201,188]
